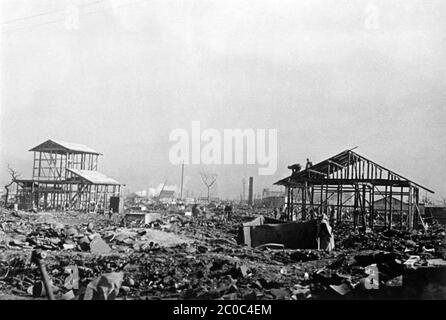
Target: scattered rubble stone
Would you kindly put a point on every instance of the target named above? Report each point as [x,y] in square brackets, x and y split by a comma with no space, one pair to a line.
[176,256]
[99,246]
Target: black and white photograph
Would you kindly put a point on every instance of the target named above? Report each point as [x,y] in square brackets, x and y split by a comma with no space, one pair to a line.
[222,154]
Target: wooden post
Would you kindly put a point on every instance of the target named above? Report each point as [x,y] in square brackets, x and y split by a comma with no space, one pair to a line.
[53,198]
[348,166]
[65,166]
[95,196]
[304,199]
[326,199]
[372,208]
[385,207]
[61,176]
[89,198]
[312,197]
[337,204]
[363,210]
[368,170]
[106,198]
[401,208]
[34,165]
[340,204]
[104,203]
[410,214]
[355,207]
[40,164]
[56,196]
[391,209]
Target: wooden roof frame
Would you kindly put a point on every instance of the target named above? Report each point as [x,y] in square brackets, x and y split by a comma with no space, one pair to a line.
[62,147]
[325,171]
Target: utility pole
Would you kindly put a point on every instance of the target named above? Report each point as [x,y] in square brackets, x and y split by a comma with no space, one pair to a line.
[182,179]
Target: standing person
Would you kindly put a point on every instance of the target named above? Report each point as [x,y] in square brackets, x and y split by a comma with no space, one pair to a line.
[325,237]
[228,211]
[309,164]
[195,210]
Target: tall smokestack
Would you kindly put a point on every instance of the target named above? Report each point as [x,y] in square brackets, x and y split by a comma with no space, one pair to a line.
[251,179]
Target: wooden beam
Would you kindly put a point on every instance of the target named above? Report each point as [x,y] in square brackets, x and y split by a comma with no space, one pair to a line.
[401,209]
[335,163]
[410,223]
[391,209]
[316,172]
[334,181]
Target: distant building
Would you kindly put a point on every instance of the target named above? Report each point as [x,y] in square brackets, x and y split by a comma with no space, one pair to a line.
[272,198]
[135,198]
[266,193]
[142,193]
[437,213]
[167,196]
[383,203]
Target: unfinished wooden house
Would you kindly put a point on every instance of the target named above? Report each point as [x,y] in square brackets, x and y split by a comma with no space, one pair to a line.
[65,176]
[346,187]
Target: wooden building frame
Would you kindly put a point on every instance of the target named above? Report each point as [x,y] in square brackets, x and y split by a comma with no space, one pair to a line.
[345,187]
[65,177]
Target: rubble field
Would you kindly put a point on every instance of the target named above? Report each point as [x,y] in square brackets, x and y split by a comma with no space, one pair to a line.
[92,256]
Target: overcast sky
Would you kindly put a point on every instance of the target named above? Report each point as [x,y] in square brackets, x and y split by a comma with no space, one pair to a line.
[328,75]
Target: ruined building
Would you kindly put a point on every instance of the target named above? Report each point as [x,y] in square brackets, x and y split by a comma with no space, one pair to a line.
[65,176]
[348,186]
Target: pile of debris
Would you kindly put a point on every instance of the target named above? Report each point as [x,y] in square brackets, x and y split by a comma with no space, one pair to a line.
[430,241]
[179,257]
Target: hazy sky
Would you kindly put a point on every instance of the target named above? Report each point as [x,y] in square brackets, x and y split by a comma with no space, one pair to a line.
[328,75]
